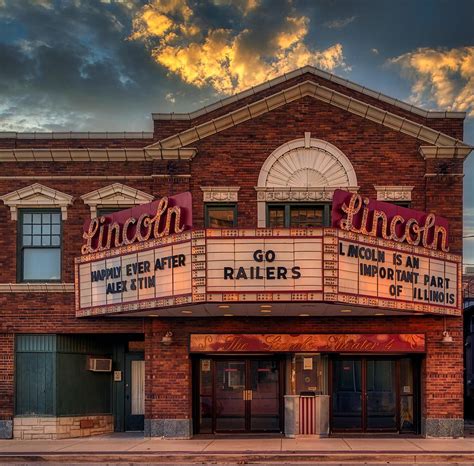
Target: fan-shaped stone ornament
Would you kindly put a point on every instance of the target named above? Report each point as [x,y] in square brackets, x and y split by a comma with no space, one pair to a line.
[304,163]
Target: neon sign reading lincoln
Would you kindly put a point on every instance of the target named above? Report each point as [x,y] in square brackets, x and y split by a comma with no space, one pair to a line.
[151,221]
[388,221]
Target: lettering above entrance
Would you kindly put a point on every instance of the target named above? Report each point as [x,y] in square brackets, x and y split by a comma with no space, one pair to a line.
[330,343]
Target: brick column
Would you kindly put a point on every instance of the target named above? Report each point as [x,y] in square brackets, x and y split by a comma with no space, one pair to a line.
[442,414]
[7,351]
[168,396]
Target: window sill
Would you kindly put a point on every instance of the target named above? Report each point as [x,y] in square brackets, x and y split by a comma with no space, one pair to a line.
[37,287]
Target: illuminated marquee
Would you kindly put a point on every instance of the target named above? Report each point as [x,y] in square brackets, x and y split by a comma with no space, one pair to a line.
[153,275]
[397,278]
[282,267]
[317,265]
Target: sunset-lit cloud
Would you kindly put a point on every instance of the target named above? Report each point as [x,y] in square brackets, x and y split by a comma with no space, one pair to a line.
[229,59]
[340,22]
[445,77]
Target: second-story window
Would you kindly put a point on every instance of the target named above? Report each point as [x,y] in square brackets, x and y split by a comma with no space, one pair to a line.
[110,210]
[39,245]
[406,204]
[298,215]
[220,215]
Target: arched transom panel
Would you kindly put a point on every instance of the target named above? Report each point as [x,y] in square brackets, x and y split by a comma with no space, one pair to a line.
[307,163]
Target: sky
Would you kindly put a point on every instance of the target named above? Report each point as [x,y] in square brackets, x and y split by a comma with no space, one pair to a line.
[106,65]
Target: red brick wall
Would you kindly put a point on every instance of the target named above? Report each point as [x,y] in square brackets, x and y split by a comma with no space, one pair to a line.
[7,350]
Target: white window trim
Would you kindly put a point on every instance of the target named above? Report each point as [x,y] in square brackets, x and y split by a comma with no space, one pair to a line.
[37,196]
[115,195]
[394,193]
[220,193]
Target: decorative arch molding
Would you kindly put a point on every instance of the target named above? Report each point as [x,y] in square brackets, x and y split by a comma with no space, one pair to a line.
[307,163]
[115,195]
[37,196]
[303,170]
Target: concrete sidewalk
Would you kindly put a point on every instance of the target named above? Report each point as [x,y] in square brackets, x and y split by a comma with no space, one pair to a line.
[131,448]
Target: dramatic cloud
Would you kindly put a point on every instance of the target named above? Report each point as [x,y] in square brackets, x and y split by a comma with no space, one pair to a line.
[230,59]
[339,23]
[69,66]
[445,77]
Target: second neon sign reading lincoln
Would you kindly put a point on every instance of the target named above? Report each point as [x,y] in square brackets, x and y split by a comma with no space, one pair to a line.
[262,272]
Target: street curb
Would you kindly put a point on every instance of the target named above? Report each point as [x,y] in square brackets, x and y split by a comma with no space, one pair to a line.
[246,457]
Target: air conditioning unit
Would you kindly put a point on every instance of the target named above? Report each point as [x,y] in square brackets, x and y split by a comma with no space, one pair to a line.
[99,364]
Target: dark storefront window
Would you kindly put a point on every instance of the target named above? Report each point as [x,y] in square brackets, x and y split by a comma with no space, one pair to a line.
[298,215]
[221,216]
[40,245]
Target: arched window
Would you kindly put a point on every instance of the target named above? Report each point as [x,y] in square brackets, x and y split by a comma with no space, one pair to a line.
[297,182]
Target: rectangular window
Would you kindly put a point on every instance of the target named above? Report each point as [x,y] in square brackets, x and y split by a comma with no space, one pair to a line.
[110,210]
[276,216]
[39,245]
[401,203]
[298,215]
[220,216]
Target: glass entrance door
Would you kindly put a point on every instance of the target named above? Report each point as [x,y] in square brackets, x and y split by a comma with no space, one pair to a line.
[381,394]
[265,395]
[372,394]
[347,395]
[230,395]
[238,395]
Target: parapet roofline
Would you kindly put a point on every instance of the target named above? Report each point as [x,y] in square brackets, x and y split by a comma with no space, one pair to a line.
[316,72]
[77,135]
[321,93]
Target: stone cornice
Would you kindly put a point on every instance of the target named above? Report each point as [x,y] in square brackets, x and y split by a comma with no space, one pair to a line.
[220,193]
[319,92]
[77,135]
[36,196]
[298,194]
[446,152]
[115,195]
[394,193]
[95,155]
[36,287]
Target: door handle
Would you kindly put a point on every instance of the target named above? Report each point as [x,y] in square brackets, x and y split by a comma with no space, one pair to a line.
[247,395]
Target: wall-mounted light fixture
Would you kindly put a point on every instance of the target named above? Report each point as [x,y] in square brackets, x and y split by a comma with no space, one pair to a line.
[167,338]
[447,338]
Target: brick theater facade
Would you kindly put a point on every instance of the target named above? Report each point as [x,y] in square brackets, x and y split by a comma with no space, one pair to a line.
[265,264]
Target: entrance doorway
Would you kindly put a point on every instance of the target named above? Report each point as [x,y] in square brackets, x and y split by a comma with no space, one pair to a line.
[374,395]
[238,395]
[134,392]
